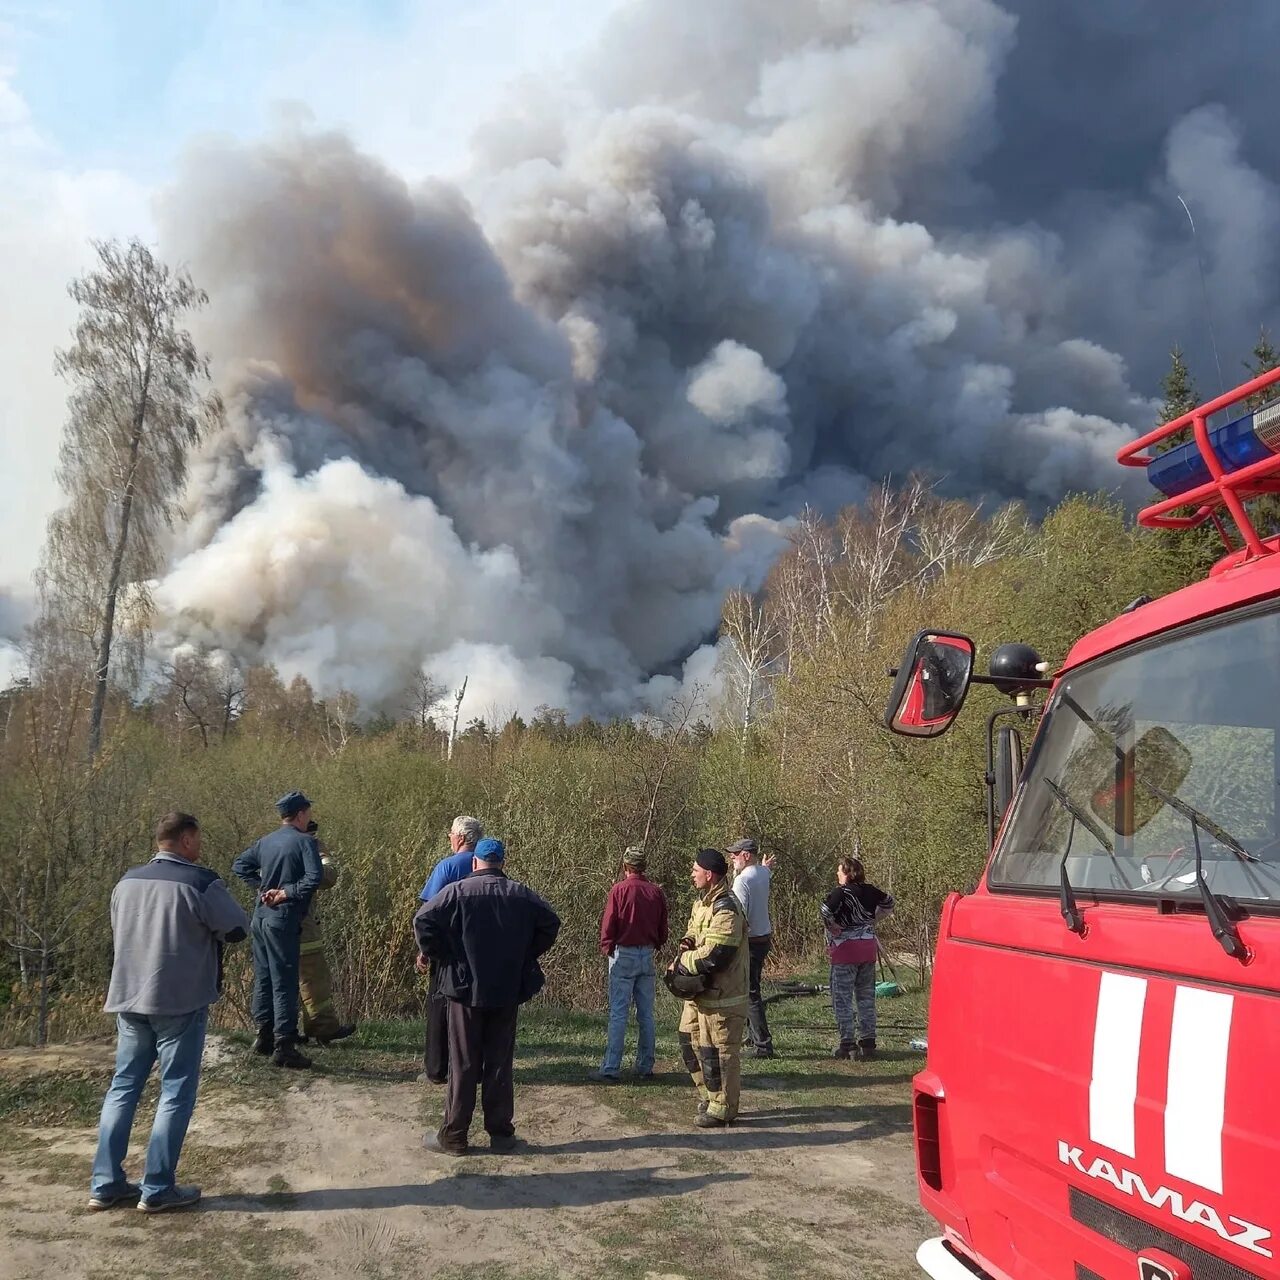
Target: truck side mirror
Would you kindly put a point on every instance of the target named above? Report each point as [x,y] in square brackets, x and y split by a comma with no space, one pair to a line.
[1008,768]
[932,681]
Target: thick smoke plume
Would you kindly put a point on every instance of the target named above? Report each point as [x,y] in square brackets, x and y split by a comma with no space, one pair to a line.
[760,256]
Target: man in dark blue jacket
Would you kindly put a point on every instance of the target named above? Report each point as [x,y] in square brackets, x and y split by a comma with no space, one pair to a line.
[486,933]
[285,867]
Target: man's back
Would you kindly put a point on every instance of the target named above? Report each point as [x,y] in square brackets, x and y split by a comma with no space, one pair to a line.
[636,914]
[286,859]
[167,918]
[751,888]
[457,866]
[488,931]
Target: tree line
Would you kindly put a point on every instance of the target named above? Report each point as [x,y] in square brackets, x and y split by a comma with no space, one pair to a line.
[790,748]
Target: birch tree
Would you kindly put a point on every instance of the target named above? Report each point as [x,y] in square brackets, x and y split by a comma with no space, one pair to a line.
[139,401]
[749,640]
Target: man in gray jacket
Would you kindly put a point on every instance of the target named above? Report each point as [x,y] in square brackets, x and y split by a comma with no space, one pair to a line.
[170,919]
[285,867]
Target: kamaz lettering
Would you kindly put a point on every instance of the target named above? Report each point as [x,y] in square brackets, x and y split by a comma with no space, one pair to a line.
[1197,1212]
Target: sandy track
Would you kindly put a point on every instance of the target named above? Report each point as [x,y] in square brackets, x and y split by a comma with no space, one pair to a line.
[330,1180]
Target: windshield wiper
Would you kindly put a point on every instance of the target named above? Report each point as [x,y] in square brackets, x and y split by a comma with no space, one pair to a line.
[1220,924]
[1198,818]
[1068,905]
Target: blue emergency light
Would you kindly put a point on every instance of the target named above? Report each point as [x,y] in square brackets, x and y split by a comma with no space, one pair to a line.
[1237,444]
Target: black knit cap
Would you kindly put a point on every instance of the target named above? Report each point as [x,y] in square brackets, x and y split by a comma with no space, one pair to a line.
[712,860]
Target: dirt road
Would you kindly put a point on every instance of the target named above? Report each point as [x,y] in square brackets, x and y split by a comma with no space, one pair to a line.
[324,1176]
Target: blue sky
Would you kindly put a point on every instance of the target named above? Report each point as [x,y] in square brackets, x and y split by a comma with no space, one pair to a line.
[98,99]
[124,82]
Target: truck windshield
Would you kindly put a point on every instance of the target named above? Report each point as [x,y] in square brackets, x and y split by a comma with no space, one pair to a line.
[1194,716]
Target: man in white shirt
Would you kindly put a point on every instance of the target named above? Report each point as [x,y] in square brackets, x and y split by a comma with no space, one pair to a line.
[751,882]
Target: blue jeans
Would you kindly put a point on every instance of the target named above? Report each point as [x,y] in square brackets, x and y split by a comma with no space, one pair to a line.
[178,1043]
[632,977]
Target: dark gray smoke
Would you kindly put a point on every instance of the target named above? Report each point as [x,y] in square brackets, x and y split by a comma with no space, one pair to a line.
[760,256]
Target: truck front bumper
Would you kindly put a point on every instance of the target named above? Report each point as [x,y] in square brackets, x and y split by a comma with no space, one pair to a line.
[941,1262]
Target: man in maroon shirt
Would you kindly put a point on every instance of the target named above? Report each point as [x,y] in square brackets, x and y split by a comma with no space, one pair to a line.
[634,926]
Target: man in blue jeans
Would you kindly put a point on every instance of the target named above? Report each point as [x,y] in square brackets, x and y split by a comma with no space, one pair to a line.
[633,928]
[170,920]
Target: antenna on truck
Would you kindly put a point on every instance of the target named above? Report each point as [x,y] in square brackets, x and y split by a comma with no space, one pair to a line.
[1204,286]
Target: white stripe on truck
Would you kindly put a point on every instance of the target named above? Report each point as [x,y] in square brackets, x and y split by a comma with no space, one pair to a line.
[1197,1098]
[1117,1037]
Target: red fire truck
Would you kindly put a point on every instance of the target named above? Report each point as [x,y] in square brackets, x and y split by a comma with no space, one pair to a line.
[1104,1024]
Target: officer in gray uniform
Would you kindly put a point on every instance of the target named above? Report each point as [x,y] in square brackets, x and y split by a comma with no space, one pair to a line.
[286,870]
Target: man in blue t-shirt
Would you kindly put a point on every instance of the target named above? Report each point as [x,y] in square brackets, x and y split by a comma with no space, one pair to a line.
[464,835]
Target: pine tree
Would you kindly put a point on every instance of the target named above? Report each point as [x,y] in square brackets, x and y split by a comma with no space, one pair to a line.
[1264,511]
[1263,359]
[1194,551]
[1180,396]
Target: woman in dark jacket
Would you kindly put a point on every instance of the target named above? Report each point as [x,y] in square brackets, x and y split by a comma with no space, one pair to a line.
[849,913]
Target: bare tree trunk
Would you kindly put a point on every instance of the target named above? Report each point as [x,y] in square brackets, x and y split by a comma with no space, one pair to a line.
[453,725]
[113,583]
[21,932]
[42,1018]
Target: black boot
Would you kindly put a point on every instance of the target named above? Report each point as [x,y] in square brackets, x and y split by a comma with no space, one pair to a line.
[345,1030]
[287,1055]
[265,1041]
[865,1051]
[843,1050]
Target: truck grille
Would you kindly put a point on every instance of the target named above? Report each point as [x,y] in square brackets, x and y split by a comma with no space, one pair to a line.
[1083,1273]
[1133,1233]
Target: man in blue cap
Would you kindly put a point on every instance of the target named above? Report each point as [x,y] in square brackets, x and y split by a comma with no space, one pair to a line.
[285,868]
[486,933]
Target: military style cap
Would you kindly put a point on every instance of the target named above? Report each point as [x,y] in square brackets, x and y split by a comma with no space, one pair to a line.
[634,856]
[292,804]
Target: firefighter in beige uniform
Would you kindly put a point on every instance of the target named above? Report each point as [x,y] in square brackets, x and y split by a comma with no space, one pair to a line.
[711,973]
[315,982]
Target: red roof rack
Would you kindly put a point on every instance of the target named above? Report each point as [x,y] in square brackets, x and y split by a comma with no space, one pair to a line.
[1230,489]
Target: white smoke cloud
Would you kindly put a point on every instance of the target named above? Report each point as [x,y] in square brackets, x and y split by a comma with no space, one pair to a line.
[530,433]
[346,579]
[16,610]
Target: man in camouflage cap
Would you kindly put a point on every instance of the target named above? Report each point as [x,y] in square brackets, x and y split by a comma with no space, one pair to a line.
[713,955]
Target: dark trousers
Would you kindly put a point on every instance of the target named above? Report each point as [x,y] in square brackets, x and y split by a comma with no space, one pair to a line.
[757,1022]
[482,1048]
[435,1055]
[275,975]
